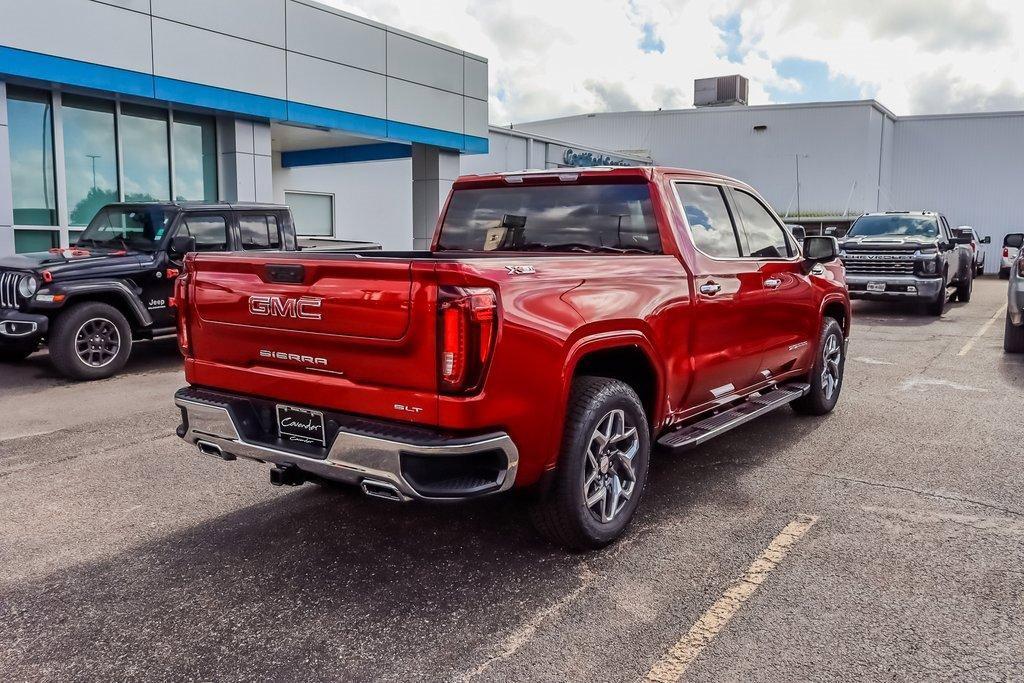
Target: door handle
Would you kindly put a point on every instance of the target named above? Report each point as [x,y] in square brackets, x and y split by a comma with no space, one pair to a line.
[710,288]
[772,283]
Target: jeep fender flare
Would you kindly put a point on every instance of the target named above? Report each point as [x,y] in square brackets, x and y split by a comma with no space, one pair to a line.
[120,289]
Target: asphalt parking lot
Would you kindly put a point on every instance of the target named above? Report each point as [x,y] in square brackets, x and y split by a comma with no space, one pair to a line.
[126,555]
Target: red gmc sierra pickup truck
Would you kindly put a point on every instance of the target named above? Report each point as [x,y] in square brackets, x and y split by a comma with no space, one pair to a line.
[561,324]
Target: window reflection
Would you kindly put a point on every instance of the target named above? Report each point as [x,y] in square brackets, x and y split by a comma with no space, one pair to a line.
[30,134]
[195,158]
[90,156]
[147,165]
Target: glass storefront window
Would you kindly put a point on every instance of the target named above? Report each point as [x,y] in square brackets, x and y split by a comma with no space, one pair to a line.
[90,156]
[147,163]
[26,241]
[313,213]
[195,157]
[30,133]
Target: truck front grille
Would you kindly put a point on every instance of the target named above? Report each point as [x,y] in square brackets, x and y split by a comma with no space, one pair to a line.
[878,263]
[9,289]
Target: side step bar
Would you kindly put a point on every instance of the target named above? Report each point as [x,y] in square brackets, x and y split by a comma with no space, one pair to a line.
[692,435]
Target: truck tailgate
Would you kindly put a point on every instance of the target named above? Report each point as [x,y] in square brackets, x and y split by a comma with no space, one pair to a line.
[329,332]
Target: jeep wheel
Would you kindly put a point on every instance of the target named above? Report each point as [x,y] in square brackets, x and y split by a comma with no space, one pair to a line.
[15,354]
[1004,273]
[90,341]
[964,289]
[980,270]
[602,469]
[826,378]
[1013,337]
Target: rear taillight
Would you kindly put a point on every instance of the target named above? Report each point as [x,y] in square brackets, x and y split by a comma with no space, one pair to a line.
[1006,252]
[467,326]
[181,304]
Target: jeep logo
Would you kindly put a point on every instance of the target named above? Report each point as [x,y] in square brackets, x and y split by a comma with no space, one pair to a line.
[305,307]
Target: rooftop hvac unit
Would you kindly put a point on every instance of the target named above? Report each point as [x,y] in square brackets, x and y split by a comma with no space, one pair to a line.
[721,91]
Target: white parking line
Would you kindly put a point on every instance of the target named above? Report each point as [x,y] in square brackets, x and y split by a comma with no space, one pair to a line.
[677,660]
[981,333]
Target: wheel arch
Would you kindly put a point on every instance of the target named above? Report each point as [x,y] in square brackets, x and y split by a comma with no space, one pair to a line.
[111,292]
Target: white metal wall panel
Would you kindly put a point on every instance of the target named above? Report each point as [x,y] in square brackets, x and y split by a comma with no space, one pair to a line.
[185,53]
[505,153]
[335,86]
[970,168]
[78,29]
[259,20]
[475,78]
[424,106]
[424,63]
[475,117]
[136,5]
[321,33]
[831,143]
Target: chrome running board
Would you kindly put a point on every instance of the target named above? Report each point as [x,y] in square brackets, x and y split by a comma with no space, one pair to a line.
[692,435]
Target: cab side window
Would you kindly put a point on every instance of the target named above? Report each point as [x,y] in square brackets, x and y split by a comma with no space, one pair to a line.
[259,231]
[210,231]
[711,226]
[764,236]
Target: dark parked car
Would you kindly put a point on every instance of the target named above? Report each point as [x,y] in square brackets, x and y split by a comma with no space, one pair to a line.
[114,286]
[907,256]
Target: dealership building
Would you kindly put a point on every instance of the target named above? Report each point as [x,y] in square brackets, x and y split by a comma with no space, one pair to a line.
[823,164]
[360,127]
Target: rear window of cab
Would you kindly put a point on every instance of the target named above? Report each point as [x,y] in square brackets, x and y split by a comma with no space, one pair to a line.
[586,218]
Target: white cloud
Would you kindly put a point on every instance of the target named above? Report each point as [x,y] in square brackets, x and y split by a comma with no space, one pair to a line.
[571,56]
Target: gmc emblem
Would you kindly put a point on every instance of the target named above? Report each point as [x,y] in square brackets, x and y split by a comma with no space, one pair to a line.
[286,307]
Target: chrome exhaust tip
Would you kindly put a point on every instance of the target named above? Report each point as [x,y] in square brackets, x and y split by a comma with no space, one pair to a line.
[381,489]
[208,448]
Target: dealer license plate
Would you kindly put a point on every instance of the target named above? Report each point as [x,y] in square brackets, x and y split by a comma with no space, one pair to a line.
[299,424]
[876,286]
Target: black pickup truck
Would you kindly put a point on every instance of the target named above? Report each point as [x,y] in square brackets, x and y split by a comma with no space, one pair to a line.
[907,256]
[114,286]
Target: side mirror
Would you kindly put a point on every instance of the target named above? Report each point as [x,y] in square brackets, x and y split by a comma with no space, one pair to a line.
[183,244]
[799,233]
[820,248]
[1014,240]
[987,239]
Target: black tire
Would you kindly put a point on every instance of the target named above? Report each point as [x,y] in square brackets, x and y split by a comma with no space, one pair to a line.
[818,400]
[15,354]
[937,305]
[1013,337]
[64,335]
[979,271]
[1004,273]
[563,516]
[965,289]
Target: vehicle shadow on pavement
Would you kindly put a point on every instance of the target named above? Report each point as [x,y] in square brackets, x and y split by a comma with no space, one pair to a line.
[886,314]
[283,586]
[161,355]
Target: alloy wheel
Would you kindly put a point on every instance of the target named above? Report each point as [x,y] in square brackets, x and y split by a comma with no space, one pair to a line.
[609,477]
[97,342]
[831,354]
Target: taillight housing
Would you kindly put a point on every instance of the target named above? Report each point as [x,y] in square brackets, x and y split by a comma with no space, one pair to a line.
[1020,267]
[181,304]
[467,327]
[1006,252]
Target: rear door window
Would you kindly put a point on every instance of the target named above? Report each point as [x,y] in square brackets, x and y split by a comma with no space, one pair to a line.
[210,231]
[765,237]
[711,226]
[559,218]
[259,231]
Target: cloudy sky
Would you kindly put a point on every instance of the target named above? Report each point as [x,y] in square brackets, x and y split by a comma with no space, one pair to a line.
[557,57]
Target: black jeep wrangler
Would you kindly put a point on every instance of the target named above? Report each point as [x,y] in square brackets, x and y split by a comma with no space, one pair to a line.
[90,302]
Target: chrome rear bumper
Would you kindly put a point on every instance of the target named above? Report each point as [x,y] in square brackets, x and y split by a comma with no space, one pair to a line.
[382,457]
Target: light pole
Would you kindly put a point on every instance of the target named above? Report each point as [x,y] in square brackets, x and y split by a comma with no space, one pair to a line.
[94,157]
